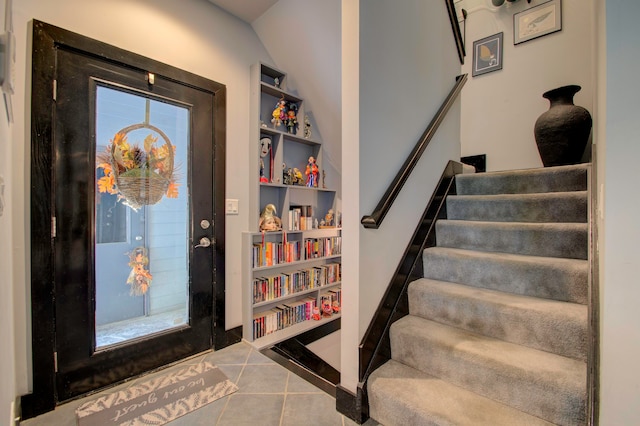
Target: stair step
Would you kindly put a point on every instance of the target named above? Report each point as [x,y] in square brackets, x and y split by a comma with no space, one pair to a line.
[401,395]
[543,207]
[548,325]
[536,276]
[568,240]
[542,384]
[547,179]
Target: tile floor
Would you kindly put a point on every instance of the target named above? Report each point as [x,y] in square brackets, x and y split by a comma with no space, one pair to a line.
[268,394]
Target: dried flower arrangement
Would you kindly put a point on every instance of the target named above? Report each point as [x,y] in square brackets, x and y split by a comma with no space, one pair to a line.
[139,278]
[139,175]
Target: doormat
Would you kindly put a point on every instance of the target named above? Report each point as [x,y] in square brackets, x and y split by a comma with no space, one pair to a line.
[159,400]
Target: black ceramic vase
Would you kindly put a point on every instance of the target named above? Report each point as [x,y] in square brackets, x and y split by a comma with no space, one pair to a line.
[562,132]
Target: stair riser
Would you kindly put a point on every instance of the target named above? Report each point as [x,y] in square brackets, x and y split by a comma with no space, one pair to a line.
[555,179]
[560,329]
[560,280]
[555,398]
[556,240]
[570,208]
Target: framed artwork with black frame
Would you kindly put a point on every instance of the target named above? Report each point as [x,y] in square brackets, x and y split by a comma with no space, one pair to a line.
[487,54]
[537,21]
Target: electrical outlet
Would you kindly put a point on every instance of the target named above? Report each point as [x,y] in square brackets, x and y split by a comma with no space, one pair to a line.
[231,206]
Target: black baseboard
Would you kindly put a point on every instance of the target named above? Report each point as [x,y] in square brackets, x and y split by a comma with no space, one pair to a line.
[477,161]
[297,358]
[352,405]
[285,359]
[228,338]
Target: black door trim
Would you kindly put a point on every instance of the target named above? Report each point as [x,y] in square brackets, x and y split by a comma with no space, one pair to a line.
[45,39]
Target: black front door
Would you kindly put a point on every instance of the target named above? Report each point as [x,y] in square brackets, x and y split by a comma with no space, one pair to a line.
[135,194]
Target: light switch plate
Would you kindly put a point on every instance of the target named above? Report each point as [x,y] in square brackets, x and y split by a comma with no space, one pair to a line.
[231,206]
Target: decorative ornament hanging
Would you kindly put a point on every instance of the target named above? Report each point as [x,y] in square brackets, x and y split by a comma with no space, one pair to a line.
[139,278]
[139,175]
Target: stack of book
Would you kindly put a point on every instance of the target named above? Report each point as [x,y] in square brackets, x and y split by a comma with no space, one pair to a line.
[300,218]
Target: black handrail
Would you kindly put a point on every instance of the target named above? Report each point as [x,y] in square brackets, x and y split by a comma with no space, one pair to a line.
[455,26]
[375,219]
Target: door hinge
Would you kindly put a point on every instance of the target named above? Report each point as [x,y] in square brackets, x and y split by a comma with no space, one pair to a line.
[55,90]
[53,226]
[55,361]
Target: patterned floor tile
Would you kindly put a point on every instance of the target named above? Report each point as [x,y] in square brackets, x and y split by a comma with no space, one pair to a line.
[252,410]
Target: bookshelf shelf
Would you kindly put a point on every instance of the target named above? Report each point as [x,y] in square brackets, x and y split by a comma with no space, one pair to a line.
[301,248]
[275,338]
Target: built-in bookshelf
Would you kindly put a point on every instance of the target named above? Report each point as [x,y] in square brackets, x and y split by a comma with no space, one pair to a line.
[287,275]
[290,273]
[278,177]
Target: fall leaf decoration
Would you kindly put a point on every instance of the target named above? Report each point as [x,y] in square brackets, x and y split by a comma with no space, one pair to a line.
[139,278]
[139,174]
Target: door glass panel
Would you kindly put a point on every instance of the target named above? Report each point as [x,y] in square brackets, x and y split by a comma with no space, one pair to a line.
[142,216]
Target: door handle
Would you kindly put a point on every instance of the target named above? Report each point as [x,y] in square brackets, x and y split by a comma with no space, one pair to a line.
[204,242]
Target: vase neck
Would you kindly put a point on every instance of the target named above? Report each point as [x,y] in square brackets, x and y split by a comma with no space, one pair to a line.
[562,95]
[561,100]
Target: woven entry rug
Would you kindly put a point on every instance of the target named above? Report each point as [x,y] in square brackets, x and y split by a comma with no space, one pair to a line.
[159,400]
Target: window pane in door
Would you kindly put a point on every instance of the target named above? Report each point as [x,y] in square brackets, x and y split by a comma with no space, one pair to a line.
[142,216]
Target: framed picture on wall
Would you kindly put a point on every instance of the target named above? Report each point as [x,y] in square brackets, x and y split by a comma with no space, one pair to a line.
[487,55]
[538,21]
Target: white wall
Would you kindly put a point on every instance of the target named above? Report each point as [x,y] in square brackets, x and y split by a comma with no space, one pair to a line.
[8,286]
[407,65]
[620,316]
[190,34]
[350,323]
[499,109]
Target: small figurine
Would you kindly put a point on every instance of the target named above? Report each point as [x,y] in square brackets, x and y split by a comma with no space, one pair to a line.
[287,175]
[315,313]
[296,178]
[307,127]
[276,82]
[278,113]
[336,306]
[315,223]
[265,148]
[312,173]
[291,120]
[268,219]
[324,175]
[327,310]
[328,218]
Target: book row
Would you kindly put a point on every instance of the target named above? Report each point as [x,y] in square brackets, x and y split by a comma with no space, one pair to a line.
[322,247]
[288,314]
[285,284]
[282,316]
[274,253]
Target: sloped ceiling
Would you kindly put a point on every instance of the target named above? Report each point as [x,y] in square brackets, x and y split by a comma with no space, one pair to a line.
[247,10]
[303,37]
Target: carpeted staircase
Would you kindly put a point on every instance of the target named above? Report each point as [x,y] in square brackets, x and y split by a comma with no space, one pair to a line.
[498,331]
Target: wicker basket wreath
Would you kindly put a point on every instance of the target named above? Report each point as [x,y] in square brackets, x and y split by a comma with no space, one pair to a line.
[140,175]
